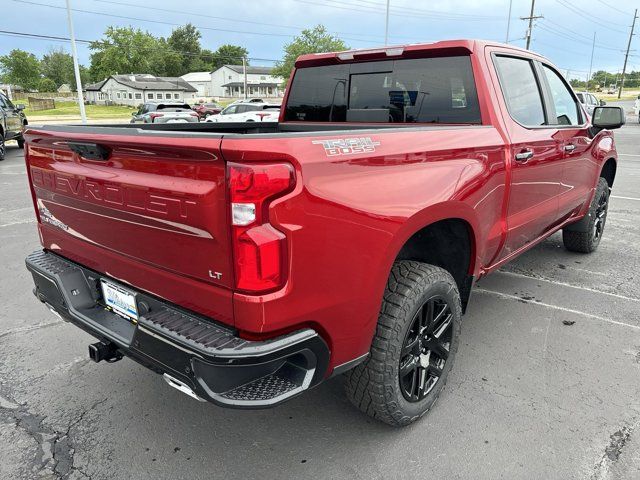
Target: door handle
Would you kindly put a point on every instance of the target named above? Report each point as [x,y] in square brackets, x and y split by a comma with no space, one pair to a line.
[569,148]
[524,155]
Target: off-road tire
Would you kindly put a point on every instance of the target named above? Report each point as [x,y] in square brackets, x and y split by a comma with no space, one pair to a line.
[588,241]
[20,141]
[374,385]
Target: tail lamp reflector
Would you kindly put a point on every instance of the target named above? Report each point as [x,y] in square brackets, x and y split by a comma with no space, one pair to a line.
[259,248]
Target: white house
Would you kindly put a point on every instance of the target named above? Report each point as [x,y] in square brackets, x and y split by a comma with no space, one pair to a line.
[137,89]
[201,81]
[228,81]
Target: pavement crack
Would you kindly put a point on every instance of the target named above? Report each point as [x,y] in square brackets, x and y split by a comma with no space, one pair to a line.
[57,447]
[612,451]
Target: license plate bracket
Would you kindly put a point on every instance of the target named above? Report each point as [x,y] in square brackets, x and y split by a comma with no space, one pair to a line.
[119,300]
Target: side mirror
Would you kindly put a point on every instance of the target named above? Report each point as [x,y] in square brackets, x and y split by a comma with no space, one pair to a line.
[20,106]
[608,117]
[602,103]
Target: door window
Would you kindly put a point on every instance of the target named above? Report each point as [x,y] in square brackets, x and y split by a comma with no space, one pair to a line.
[2,101]
[520,89]
[563,101]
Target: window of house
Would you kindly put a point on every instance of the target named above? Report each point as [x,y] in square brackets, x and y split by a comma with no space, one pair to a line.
[138,96]
[117,94]
[167,96]
[520,89]
[150,96]
[159,96]
[130,96]
[263,78]
[176,96]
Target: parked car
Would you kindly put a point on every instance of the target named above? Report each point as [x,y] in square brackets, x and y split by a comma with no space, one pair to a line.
[164,113]
[12,122]
[247,100]
[205,109]
[589,101]
[248,112]
[636,107]
[249,263]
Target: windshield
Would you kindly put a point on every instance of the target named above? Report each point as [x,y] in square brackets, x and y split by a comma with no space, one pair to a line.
[426,90]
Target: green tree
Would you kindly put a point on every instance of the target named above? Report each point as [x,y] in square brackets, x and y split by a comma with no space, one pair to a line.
[20,68]
[184,43]
[57,65]
[227,55]
[316,40]
[123,50]
[47,85]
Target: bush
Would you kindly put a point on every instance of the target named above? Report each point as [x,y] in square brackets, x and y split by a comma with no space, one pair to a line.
[46,85]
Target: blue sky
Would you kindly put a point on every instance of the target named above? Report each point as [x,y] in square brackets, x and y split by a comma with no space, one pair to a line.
[264,26]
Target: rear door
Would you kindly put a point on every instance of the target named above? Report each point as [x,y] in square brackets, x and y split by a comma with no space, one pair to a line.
[536,153]
[579,168]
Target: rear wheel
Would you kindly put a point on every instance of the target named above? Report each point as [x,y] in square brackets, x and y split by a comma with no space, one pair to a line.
[413,348]
[587,241]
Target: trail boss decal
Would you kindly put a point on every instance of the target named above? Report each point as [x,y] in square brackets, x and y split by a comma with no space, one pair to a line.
[347,146]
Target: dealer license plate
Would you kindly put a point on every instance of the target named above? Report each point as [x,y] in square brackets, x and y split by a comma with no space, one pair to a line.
[121,301]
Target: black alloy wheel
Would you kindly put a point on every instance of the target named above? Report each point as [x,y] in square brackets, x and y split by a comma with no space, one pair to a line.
[425,349]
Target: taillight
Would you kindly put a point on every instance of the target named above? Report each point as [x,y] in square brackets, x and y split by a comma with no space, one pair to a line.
[259,248]
[156,115]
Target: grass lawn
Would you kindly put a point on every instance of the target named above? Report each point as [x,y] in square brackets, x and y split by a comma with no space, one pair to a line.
[93,111]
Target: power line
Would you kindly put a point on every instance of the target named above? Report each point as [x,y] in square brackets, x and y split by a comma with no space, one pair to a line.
[229,19]
[415,10]
[613,8]
[591,18]
[104,42]
[399,13]
[138,19]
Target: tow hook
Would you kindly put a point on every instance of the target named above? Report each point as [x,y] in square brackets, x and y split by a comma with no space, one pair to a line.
[104,351]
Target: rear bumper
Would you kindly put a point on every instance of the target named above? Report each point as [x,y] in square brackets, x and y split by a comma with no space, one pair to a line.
[195,354]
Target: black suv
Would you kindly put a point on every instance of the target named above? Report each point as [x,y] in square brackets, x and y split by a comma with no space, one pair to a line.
[12,122]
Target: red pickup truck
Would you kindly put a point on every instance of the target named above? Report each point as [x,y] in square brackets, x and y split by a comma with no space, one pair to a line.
[249,262]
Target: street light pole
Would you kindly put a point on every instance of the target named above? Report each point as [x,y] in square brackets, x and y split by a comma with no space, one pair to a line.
[508,21]
[593,47]
[386,25]
[76,67]
[244,71]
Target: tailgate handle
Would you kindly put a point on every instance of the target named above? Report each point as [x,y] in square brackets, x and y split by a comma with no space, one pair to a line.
[90,151]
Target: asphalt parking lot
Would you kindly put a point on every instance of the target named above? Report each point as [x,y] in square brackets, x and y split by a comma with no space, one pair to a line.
[546,382]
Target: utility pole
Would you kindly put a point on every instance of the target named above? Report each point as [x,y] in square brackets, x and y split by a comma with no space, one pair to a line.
[386,25]
[626,56]
[76,67]
[531,18]
[244,71]
[593,47]
[506,40]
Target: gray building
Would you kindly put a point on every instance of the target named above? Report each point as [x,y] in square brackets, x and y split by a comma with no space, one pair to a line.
[136,89]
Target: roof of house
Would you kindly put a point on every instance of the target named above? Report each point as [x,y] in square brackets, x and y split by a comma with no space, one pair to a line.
[250,69]
[147,82]
[197,77]
[95,86]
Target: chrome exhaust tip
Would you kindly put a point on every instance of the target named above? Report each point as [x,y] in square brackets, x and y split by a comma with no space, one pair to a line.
[181,386]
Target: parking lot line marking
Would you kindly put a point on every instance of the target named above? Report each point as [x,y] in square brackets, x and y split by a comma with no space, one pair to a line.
[564,284]
[556,307]
[626,198]
[31,327]
[628,155]
[18,222]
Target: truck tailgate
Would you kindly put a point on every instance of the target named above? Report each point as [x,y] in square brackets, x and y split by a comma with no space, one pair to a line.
[146,208]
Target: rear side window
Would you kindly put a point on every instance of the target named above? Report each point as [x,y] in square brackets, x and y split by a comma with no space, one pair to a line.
[520,89]
[425,90]
[564,103]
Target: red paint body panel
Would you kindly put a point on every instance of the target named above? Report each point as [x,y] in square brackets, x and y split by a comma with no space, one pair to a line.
[345,221]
